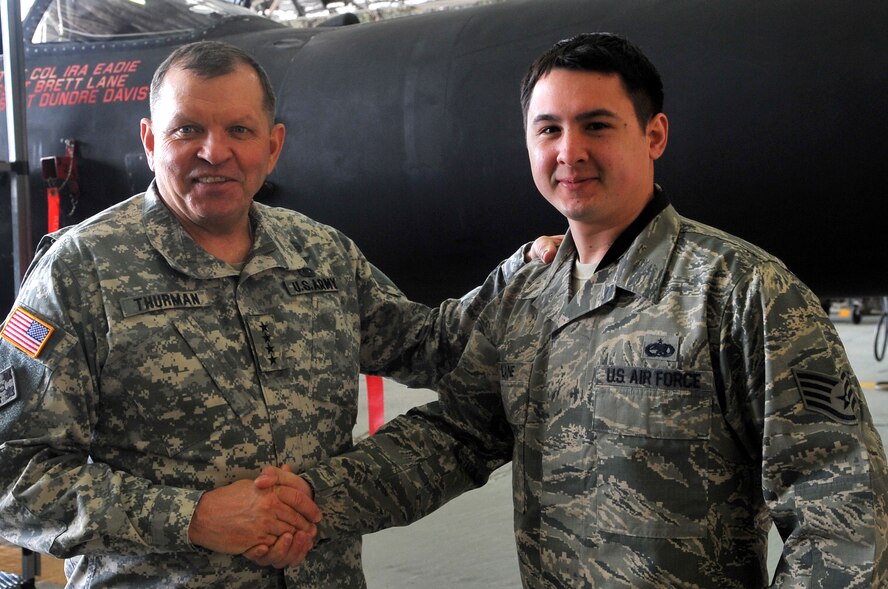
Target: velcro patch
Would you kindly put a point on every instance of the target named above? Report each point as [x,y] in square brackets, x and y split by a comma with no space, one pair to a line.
[310,283]
[660,347]
[7,387]
[163,301]
[653,378]
[832,396]
[26,332]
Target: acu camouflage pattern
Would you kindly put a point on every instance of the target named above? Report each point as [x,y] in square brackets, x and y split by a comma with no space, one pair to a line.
[654,423]
[171,373]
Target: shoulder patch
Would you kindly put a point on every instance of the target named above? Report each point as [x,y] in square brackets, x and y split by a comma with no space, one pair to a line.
[7,386]
[832,396]
[26,332]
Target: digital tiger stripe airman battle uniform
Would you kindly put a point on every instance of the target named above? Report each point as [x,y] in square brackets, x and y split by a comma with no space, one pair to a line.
[162,372]
[658,421]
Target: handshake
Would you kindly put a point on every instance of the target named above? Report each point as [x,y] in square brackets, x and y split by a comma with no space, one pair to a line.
[270,520]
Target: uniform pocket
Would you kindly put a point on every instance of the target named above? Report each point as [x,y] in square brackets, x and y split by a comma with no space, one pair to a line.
[170,398]
[652,455]
[515,390]
[319,344]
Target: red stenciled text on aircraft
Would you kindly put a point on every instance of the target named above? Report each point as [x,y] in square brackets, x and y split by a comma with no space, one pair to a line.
[84,83]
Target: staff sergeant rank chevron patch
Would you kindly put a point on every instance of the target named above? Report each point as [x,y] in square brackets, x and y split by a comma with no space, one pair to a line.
[834,397]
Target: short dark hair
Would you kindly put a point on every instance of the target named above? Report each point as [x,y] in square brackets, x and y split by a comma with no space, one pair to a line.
[606,53]
[210,59]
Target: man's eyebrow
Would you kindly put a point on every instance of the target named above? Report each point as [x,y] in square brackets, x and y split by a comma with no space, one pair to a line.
[583,116]
[596,113]
[547,118]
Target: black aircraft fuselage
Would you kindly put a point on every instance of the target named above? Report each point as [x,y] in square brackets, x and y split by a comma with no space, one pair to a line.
[407,135]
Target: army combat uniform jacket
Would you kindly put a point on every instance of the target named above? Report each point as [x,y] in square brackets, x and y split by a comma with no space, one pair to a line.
[658,421]
[137,371]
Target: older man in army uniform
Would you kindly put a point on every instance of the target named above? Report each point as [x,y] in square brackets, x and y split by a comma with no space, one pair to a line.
[163,351]
[664,390]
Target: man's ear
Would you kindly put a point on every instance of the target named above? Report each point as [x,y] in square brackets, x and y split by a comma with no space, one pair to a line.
[147,135]
[276,144]
[658,134]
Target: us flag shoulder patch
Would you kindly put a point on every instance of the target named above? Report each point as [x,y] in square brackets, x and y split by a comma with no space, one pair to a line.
[835,397]
[26,332]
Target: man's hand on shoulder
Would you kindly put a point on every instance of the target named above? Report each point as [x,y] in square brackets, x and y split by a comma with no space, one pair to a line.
[543,248]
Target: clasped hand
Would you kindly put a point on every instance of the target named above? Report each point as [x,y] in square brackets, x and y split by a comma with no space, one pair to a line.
[272,520]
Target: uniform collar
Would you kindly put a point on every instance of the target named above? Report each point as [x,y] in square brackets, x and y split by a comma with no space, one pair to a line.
[271,248]
[636,262]
[624,241]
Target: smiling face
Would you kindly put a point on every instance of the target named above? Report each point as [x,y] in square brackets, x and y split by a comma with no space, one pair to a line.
[589,155]
[210,144]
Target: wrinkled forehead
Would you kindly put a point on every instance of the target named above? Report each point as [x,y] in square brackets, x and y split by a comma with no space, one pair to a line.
[185,89]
